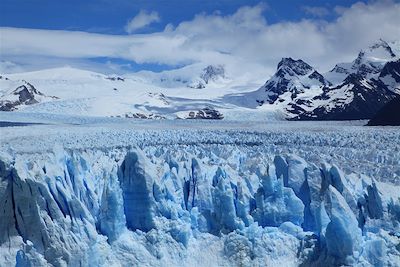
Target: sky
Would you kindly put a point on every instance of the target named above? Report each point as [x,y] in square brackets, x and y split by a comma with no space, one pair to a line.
[121,36]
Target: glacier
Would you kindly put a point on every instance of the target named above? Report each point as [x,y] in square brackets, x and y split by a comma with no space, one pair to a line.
[106,193]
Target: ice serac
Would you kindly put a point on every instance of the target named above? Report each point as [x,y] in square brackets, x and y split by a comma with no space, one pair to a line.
[342,236]
[111,218]
[276,204]
[40,208]
[224,205]
[137,188]
[375,209]
[190,205]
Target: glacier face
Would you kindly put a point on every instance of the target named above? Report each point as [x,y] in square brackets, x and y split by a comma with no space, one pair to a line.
[168,198]
[90,208]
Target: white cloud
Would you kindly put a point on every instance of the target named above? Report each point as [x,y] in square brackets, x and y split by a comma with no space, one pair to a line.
[316,11]
[9,67]
[141,20]
[242,41]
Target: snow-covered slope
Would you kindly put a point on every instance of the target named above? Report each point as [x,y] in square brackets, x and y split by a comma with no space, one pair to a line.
[80,92]
[118,192]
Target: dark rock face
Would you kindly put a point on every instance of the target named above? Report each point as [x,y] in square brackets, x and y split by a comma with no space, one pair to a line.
[317,76]
[205,113]
[199,85]
[6,106]
[340,69]
[27,95]
[115,78]
[138,115]
[277,88]
[391,69]
[368,96]
[388,115]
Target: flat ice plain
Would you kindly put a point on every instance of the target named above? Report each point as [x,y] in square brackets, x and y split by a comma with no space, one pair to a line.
[86,191]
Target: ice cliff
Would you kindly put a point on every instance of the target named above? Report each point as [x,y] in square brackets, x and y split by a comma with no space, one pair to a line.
[191,205]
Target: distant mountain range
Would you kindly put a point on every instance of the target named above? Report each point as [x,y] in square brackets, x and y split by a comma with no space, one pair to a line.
[355,90]
[297,91]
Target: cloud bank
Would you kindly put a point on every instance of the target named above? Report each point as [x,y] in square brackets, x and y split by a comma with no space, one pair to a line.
[141,20]
[242,40]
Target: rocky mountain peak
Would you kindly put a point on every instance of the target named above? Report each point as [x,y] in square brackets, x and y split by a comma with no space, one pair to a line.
[25,94]
[383,45]
[380,51]
[293,77]
[299,67]
[370,61]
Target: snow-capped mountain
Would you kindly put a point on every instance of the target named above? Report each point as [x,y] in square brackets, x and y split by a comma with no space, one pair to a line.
[368,63]
[293,77]
[354,90]
[197,76]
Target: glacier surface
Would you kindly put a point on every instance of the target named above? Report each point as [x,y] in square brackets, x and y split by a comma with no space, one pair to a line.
[94,192]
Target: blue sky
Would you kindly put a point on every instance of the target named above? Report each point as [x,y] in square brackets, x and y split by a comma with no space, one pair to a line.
[110,16]
[123,36]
